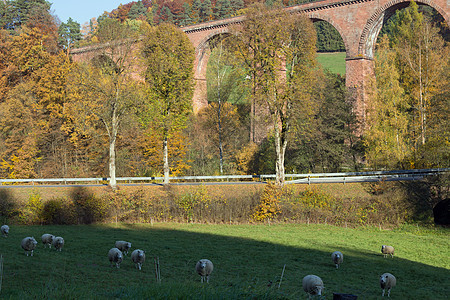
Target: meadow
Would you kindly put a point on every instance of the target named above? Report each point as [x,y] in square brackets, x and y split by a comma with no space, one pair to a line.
[248,261]
[333,61]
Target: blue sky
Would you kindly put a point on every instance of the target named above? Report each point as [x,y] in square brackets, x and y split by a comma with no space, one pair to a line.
[83,10]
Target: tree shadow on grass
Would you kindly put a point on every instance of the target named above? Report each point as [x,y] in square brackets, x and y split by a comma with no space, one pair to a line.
[7,206]
[257,266]
[244,268]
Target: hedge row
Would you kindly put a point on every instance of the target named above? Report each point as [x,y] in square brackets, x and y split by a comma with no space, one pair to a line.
[382,203]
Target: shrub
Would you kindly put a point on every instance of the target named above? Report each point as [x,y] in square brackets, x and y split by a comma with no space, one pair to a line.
[129,207]
[269,205]
[31,213]
[194,205]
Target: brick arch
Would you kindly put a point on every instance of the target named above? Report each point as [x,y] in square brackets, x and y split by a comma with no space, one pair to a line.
[201,54]
[383,13]
[316,17]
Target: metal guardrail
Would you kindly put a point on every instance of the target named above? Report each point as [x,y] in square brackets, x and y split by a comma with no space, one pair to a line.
[308,178]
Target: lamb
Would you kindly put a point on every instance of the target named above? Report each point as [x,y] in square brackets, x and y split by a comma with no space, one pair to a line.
[313,285]
[58,243]
[204,268]
[387,281]
[387,250]
[5,230]
[29,244]
[47,239]
[115,256]
[123,246]
[138,257]
[337,258]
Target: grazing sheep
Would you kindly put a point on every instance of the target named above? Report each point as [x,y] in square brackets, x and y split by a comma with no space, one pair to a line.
[123,246]
[58,243]
[115,256]
[204,268]
[313,285]
[29,244]
[387,281]
[47,239]
[337,258]
[387,250]
[138,257]
[5,230]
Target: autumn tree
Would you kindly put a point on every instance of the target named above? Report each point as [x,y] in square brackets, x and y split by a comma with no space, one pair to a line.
[168,58]
[387,138]
[21,114]
[403,129]
[421,55]
[104,92]
[279,53]
[224,89]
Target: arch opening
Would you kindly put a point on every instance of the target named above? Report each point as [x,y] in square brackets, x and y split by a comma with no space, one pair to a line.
[331,47]
[376,25]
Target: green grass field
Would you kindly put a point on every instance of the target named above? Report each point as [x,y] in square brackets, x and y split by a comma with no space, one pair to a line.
[248,261]
[334,61]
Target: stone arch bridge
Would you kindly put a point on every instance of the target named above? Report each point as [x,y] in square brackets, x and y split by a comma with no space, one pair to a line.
[357,21]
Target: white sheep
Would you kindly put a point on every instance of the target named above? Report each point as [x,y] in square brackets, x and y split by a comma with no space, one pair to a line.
[123,246]
[138,257]
[47,239]
[204,268]
[386,250]
[29,244]
[337,258]
[115,256]
[5,230]
[387,281]
[313,285]
[58,243]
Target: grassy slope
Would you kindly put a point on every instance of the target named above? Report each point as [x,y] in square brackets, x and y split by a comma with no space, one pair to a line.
[246,257]
[334,61]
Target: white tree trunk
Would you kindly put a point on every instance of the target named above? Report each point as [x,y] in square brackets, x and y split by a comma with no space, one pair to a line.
[112,163]
[280,148]
[166,161]
[112,148]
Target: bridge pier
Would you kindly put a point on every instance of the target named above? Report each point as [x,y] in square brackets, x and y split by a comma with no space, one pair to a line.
[359,72]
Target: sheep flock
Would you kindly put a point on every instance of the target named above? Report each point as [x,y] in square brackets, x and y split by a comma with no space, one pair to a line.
[312,284]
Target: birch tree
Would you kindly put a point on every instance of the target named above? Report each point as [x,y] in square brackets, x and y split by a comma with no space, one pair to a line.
[224,90]
[102,93]
[421,56]
[278,50]
[168,60]
[387,138]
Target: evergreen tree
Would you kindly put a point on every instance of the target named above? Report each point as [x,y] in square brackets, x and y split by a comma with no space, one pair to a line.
[206,11]
[137,10]
[166,14]
[14,14]
[222,9]
[185,18]
[69,34]
[196,7]
[236,5]
[328,38]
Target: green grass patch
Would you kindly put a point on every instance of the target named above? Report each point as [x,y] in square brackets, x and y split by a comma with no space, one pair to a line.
[248,261]
[333,61]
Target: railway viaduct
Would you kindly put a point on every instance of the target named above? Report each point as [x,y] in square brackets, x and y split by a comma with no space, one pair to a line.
[357,21]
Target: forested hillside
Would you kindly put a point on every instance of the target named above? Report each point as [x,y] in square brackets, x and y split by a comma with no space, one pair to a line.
[59,118]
